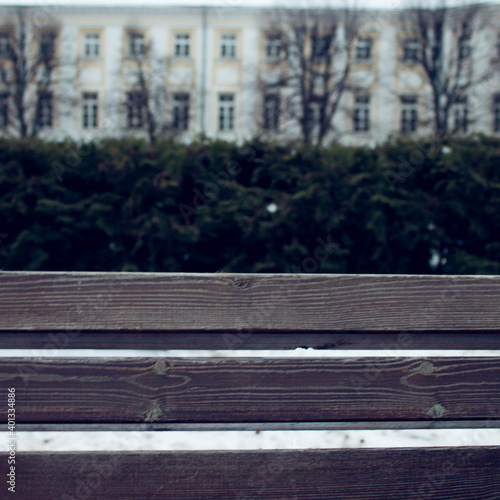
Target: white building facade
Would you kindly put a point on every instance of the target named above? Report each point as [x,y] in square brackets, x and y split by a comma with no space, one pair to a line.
[203,69]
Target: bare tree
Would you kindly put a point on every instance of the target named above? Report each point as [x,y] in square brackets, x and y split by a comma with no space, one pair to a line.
[445,53]
[311,51]
[149,104]
[29,74]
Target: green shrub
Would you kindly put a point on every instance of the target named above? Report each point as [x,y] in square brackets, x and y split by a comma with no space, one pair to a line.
[124,205]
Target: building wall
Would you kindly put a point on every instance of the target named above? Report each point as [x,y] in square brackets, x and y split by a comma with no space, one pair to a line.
[206,75]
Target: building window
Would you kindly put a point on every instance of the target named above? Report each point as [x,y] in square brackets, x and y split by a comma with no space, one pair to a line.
[364,48]
[44,109]
[4,110]
[181,112]
[44,74]
[362,113]
[228,46]
[226,112]
[411,50]
[136,104]
[90,110]
[182,43]
[136,47]
[496,113]
[46,45]
[91,45]
[461,113]
[312,116]
[409,114]
[320,46]
[271,111]
[4,44]
[274,47]
[464,42]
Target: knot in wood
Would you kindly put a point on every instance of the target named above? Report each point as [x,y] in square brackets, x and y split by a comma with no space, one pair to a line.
[426,368]
[436,411]
[153,413]
[161,367]
[240,283]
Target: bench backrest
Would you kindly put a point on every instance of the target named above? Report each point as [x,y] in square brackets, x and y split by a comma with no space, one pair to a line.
[247,311]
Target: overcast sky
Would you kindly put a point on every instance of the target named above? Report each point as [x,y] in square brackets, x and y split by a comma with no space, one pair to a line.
[375,4]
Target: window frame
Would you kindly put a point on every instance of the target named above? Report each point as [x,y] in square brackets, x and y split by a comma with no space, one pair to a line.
[180,112]
[320,46]
[136,106]
[361,115]
[312,115]
[461,114]
[133,43]
[411,50]
[228,45]
[273,48]
[182,45]
[364,48]
[5,44]
[47,45]
[271,111]
[90,110]
[409,114]
[226,112]
[45,109]
[92,45]
[464,43]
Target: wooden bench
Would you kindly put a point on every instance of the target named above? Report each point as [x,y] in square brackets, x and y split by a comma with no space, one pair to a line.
[225,311]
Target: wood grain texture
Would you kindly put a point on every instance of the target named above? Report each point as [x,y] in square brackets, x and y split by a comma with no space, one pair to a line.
[232,390]
[247,303]
[342,474]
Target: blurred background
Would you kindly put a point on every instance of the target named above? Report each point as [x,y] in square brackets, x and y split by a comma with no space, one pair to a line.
[307,137]
[250,139]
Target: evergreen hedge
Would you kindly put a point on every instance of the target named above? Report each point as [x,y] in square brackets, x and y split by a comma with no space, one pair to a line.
[124,205]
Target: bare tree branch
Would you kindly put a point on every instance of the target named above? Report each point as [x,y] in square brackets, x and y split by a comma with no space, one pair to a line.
[149,93]
[29,71]
[446,37]
[316,48]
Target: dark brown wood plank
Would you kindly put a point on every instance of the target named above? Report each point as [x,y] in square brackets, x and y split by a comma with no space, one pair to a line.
[201,390]
[342,474]
[392,343]
[247,303]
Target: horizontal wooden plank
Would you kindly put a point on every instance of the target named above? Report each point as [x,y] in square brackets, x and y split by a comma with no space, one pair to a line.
[247,303]
[343,474]
[392,343]
[244,390]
